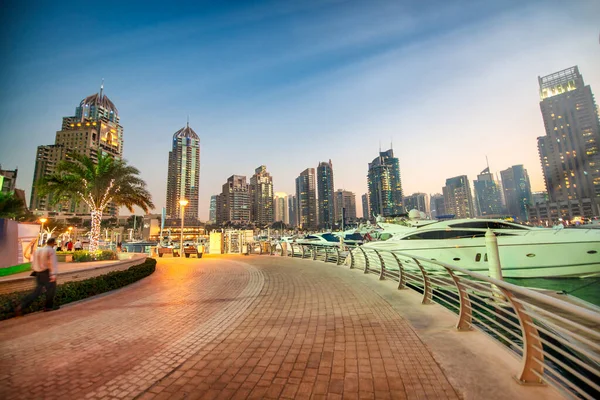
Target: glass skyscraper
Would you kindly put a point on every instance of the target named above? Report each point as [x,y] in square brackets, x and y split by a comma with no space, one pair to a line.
[570,153]
[261,197]
[458,199]
[184,174]
[487,195]
[517,191]
[325,190]
[306,200]
[385,186]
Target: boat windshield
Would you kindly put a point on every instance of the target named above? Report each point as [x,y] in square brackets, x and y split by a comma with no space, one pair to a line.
[448,234]
[330,237]
[487,224]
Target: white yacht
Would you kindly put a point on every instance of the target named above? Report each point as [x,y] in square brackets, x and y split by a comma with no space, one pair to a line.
[525,252]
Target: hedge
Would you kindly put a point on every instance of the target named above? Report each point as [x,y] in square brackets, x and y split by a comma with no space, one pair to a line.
[78,290]
[85,256]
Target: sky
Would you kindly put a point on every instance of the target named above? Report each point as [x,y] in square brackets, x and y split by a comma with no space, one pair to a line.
[288,84]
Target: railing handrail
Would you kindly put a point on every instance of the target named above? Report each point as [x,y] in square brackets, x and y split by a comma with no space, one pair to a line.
[571,308]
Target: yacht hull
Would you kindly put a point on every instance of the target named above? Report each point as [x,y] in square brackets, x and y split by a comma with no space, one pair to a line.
[535,255]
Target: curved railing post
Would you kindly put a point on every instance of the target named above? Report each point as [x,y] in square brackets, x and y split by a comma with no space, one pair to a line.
[401,274]
[339,256]
[533,356]
[366,260]
[314,250]
[427,292]
[303,250]
[465,316]
[351,260]
[382,266]
[292,248]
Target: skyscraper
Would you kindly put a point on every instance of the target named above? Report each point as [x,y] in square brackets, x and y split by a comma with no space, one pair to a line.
[569,152]
[437,205]
[306,199]
[517,191]
[184,174]
[93,129]
[487,195]
[417,201]
[325,189]
[458,198]
[385,186]
[293,210]
[345,206]
[212,211]
[234,201]
[281,207]
[261,197]
[365,206]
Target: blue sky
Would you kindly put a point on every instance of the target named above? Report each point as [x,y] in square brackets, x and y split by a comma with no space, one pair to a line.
[291,83]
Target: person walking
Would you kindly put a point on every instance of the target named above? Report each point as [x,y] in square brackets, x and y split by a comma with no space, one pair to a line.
[78,245]
[45,268]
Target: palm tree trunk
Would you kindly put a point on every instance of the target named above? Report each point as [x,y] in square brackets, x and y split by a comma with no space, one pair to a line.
[95,232]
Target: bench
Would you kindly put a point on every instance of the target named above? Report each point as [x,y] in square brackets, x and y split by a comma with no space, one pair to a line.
[191,250]
[165,250]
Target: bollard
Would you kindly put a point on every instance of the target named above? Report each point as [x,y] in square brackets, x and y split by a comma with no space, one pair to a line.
[495,269]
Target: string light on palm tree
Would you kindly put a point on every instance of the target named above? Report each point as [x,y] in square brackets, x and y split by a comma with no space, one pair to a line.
[43,221]
[182,203]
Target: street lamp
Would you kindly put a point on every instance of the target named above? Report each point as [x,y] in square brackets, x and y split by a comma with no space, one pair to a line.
[182,203]
[70,229]
[42,220]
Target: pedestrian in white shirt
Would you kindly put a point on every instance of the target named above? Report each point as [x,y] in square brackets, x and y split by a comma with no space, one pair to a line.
[45,268]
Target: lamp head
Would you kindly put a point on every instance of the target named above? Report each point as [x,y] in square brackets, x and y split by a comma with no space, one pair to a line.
[43,220]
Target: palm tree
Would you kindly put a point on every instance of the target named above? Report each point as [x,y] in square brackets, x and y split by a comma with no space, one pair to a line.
[11,206]
[97,184]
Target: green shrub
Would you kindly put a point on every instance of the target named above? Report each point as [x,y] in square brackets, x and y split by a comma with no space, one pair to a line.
[78,290]
[86,256]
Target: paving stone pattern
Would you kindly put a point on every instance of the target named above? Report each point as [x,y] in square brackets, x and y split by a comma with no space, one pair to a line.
[224,327]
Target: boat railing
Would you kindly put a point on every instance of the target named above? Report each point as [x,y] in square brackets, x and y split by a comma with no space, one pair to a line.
[558,342]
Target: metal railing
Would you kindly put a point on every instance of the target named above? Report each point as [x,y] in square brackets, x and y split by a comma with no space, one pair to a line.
[558,342]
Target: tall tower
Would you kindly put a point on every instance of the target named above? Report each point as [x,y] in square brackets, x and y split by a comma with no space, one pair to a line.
[345,206]
[385,186]
[417,201]
[365,206]
[437,206]
[487,195]
[325,189]
[212,211]
[293,210]
[570,151]
[517,191]
[93,129]
[281,207]
[184,174]
[234,201]
[458,198]
[306,199]
[261,196]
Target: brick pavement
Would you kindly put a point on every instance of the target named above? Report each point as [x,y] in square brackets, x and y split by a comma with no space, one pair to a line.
[223,327]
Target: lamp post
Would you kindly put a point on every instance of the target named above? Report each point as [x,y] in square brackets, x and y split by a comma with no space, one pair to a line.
[182,203]
[70,229]
[42,220]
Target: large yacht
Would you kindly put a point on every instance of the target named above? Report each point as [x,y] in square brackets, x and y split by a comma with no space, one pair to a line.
[525,252]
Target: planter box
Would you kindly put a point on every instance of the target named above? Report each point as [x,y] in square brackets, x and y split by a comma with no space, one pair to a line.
[64,257]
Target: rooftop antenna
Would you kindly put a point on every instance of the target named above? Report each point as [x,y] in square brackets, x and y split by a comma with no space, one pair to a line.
[102,88]
[487,162]
[391,143]
[188,121]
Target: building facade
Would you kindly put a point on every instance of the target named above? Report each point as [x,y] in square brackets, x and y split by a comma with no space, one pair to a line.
[366,209]
[8,180]
[458,199]
[549,213]
[282,214]
[183,178]
[234,201]
[345,206]
[94,129]
[517,191]
[417,201]
[385,186]
[325,190]
[569,152]
[306,200]
[292,210]
[261,197]
[212,210]
[437,205]
[488,202]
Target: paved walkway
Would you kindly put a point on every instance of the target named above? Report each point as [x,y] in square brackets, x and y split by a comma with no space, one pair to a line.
[226,327]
